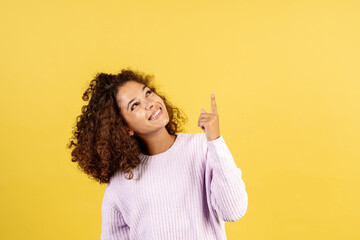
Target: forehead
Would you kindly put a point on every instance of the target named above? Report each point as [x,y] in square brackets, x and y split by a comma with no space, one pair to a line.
[128,91]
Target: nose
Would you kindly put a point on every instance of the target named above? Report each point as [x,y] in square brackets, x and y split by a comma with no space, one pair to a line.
[149,104]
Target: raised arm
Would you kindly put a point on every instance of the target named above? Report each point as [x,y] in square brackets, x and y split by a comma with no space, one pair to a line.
[228,196]
[223,178]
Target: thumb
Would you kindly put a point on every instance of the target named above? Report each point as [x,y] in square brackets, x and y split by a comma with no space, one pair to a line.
[202,110]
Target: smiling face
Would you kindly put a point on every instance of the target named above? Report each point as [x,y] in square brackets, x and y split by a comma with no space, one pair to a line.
[139,107]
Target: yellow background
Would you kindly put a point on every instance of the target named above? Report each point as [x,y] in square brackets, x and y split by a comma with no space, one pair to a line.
[286,79]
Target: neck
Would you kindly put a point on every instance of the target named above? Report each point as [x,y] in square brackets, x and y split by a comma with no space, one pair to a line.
[157,142]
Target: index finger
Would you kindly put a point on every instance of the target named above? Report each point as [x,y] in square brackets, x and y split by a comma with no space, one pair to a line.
[213,104]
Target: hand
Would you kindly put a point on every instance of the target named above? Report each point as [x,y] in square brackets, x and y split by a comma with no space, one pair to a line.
[209,122]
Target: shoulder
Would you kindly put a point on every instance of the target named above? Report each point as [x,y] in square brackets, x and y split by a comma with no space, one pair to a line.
[194,138]
[114,189]
[108,198]
[114,184]
[194,141]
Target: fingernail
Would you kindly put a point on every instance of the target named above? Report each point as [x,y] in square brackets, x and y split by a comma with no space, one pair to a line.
[213,95]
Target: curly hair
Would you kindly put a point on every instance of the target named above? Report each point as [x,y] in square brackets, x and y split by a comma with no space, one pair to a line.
[100,141]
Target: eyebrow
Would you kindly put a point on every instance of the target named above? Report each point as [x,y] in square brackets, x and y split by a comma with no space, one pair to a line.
[135,98]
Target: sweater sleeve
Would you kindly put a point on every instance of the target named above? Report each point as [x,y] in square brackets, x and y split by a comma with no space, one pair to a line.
[113,226]
[228,196]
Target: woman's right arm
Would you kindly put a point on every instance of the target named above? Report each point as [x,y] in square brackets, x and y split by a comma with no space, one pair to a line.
[113,226]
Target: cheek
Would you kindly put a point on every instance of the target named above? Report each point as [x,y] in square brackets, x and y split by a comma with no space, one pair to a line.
[139,116]
[159,99]
[130,118]
[166,113]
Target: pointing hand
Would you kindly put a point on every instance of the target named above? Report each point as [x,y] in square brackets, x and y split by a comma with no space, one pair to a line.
[209,122]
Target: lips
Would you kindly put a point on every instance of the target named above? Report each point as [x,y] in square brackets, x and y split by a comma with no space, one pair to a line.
[152,114]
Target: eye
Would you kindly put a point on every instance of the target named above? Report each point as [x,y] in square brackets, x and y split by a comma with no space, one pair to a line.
[132,106]
[135,104]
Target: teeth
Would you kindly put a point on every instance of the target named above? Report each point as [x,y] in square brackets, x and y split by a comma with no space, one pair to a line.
[157,112]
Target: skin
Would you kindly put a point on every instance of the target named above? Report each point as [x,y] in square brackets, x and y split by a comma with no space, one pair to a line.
[153,132]
[209,122]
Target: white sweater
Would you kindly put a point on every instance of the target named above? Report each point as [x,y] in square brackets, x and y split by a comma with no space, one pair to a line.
[185,193]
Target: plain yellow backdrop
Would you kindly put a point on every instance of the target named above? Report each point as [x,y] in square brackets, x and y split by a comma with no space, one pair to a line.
[285,74]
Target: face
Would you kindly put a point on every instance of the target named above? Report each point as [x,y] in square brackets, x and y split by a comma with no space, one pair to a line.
[139,106]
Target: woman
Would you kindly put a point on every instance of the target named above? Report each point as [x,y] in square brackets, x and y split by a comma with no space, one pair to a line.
[161,184]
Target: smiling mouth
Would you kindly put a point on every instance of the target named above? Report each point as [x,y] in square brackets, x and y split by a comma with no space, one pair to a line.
[155,116]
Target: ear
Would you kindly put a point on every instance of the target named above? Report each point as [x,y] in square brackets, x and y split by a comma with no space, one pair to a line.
[129,131]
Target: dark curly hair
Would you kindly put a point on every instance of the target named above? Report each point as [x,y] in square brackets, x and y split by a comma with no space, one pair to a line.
[100,141]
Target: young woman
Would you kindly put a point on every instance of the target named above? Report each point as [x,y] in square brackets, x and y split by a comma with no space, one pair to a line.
[161,184]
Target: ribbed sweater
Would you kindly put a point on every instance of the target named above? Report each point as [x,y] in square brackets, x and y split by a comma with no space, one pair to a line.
[184,193]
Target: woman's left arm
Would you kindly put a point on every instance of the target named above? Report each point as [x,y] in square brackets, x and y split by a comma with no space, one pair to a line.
[228,196]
